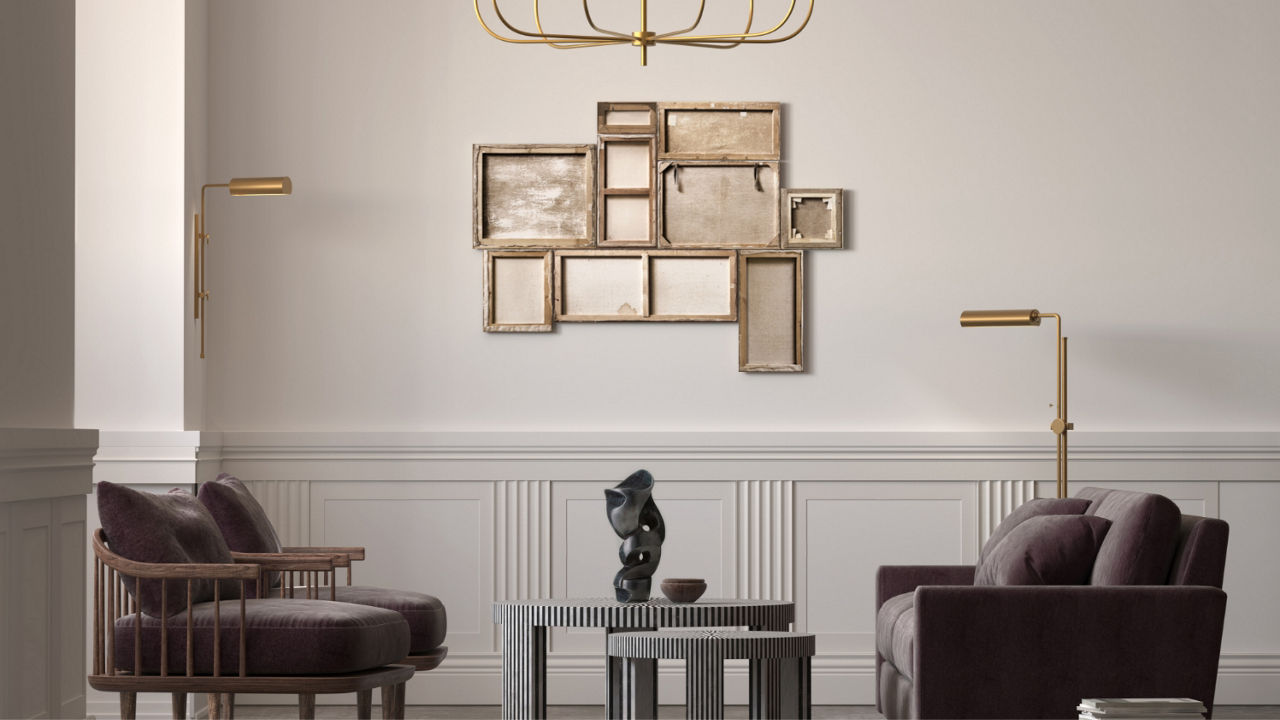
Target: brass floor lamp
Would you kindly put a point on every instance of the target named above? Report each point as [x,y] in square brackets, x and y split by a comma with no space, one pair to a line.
[1060,425]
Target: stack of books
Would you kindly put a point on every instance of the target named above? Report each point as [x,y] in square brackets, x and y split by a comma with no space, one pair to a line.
[1165,708]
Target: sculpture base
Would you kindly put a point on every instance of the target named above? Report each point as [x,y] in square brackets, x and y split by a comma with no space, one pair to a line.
[634,590]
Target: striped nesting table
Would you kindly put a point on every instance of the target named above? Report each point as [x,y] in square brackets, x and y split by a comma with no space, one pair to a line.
[704,653]
[524,644]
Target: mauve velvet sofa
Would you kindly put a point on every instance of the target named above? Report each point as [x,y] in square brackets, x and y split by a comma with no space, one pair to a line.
[1118,595]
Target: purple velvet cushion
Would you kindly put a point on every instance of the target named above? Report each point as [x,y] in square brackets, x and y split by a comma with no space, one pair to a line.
[162,528]
[424,613]
[283,637]
[1140,547]
[1030,509]
[1045,550]
[896,632]
[244,524]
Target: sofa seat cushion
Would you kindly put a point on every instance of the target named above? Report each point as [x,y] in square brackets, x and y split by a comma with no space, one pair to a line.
[1045,550]
[244,524]
[283,637]
[1143,538]
[896,632]
[170,527]
[424,613]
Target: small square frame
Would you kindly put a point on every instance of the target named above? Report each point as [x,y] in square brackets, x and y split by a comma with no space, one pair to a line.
[793,237]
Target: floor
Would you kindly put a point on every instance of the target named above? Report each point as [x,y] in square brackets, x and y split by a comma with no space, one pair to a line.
[582,712]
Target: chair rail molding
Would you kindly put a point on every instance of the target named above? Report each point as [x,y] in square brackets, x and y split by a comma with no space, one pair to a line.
[784,515]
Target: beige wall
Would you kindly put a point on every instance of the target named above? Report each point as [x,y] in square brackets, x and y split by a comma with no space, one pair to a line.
[1112,161]
[37,213]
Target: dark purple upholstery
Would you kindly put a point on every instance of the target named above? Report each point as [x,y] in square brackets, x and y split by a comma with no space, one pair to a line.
[162,528]
[248,529]
[947,648]
[424,613]
[1030,509]
[244,524]
[1045,550]
[1139,547]
[284,637]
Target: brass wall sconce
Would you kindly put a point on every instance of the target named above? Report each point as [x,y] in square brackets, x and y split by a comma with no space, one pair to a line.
[238,187]
[1004,318]
[643,38]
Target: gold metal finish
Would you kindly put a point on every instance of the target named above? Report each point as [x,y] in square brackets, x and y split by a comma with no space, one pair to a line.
[642,38]
[238,187]
[1008,318]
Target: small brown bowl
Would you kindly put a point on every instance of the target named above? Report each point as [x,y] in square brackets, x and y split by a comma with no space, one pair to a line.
[683,590]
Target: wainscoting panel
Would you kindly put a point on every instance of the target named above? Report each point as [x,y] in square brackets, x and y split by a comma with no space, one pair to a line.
[701,529]
[436,538]
[844,531]
[475,517]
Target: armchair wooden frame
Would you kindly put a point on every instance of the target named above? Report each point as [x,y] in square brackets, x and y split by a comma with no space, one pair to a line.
[111,602]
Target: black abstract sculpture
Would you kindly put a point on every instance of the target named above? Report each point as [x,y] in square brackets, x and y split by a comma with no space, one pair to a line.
[635,517]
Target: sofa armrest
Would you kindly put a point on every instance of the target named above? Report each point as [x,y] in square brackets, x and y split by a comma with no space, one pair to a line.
[894,580]
[1036,651]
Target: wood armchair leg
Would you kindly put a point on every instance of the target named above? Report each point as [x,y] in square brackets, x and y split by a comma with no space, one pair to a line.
[128,705]
[229,706]
[179,706]
[364,705]
[399,705]
[215,706]
[306,706]
[388,702]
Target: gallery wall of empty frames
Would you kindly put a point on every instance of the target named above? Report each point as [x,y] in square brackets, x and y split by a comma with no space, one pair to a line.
[675,214]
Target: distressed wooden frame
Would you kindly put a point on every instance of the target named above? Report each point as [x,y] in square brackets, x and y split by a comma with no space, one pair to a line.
[608,191]
[492,291]
[645,286]
[605,109]
[753,359]
[699,221]
[834,200]
[581,186]
[722,131]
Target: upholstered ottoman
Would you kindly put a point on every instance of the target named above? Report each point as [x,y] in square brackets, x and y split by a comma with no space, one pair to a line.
[704,652]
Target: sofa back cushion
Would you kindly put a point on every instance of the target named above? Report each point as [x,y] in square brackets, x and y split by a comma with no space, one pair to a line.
[243,522]
[1045,550]
[1030,509]
[1139,548]
[162,528]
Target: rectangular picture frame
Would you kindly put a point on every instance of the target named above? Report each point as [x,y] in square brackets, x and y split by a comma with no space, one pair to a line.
[771,311]
[812,218]
[646,286]
[727,204]
[626,118]
[533,196]
[627,198]
[517,291]
[720,131]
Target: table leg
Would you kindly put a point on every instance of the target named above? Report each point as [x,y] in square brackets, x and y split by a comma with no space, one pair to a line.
[524,671]
[639,689]
[704,684]
[765,693]
[615,703]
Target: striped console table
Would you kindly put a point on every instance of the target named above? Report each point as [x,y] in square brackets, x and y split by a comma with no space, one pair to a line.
[524,644]
[704,653]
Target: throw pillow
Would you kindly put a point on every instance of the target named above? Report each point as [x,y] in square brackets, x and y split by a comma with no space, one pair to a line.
[1030,509]
[1045,550]
[163,528]
[244,524]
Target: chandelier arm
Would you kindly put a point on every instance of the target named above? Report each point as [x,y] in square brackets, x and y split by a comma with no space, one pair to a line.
[756,37]
[544,39]
[591,21]
[702,5]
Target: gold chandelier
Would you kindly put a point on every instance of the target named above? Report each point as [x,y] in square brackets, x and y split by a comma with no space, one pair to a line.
[644,37]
